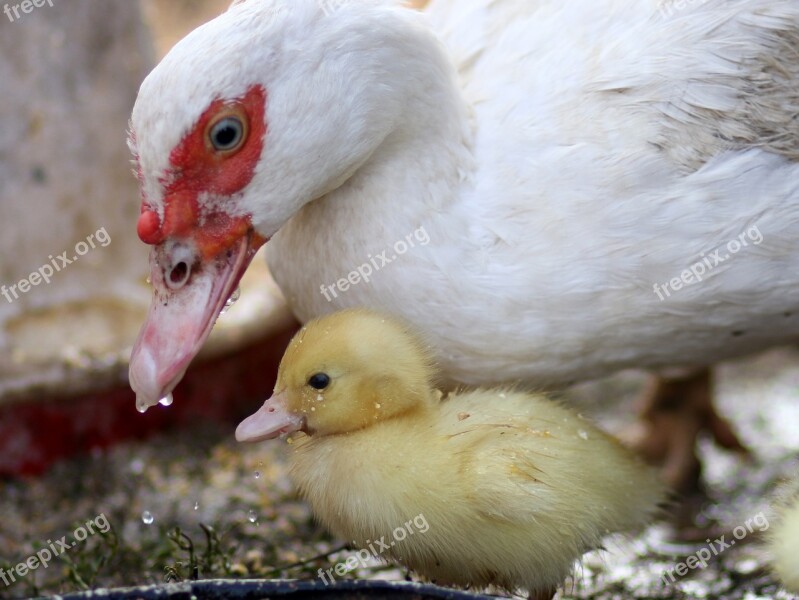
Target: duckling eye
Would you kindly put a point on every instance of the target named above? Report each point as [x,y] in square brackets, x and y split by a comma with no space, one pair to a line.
[319,381]
[227,134]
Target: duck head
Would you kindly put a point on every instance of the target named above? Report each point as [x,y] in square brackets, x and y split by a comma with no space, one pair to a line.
[342,373]
[252,116]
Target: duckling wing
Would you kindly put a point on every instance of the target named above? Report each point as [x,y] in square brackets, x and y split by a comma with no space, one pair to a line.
[527,459]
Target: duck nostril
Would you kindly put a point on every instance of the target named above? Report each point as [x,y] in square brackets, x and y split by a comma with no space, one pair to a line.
[179,273]
[271,409]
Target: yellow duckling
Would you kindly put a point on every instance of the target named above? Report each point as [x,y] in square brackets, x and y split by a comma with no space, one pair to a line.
[511,487]
[784,537]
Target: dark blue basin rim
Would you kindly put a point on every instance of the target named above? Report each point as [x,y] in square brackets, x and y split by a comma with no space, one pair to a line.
[243,589]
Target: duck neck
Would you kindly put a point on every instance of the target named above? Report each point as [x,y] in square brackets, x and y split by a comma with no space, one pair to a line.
[421,164]
[425,159]
[401,189]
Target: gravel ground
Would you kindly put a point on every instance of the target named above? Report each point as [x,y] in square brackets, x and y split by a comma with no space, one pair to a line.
[196,504]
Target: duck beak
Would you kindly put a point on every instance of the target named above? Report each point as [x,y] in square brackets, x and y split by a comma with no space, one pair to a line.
[270,421]
[189,291]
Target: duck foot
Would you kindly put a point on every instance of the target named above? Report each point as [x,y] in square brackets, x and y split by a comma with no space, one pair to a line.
[674,412]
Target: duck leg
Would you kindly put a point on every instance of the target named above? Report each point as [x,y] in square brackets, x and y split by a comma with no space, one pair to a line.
[674,412]
[543,594]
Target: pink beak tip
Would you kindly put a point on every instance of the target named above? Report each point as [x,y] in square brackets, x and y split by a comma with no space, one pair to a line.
[243,432]
[269,421]
[143,376]
[253,429]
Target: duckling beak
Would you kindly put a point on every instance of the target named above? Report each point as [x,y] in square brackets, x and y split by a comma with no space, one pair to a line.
[270,421]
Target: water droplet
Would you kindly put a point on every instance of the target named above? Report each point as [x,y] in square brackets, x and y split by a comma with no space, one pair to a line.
[147,517]
[149,280]
[747,566]
[166,400]
[141,405]
[583,434]
[319,397]
[257,474]
[196,506]
[231,301]
[252,517]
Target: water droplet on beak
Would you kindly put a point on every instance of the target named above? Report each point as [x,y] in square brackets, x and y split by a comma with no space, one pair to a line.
[231,301]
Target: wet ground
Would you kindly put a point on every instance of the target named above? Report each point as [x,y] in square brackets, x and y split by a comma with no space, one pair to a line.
[197,505]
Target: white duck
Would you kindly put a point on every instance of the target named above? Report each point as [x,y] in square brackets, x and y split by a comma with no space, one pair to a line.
[566,162]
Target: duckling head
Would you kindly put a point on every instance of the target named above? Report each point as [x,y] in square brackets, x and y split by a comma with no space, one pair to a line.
[342,373]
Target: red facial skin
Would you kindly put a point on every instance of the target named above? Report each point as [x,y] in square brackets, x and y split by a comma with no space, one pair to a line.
[197,167]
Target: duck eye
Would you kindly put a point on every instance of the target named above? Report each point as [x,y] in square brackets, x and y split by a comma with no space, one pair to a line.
[319,381]
[227,134]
